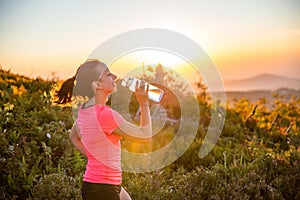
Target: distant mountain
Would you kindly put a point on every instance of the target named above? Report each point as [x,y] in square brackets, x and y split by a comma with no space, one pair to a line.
[262,82]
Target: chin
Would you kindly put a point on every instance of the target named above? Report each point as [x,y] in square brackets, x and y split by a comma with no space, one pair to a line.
[114,90]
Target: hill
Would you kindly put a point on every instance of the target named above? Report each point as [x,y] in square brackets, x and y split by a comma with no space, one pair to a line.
[262,82]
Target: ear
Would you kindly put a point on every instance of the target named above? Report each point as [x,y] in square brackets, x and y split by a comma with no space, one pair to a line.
[97,85]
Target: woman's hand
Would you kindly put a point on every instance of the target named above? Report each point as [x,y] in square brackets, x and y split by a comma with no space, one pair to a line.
[141,93]
[142,133]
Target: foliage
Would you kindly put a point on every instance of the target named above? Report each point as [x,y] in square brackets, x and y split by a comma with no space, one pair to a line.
[56,186]
[256,157]
[33,136]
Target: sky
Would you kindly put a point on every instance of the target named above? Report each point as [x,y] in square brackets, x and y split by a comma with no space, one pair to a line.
[243,38]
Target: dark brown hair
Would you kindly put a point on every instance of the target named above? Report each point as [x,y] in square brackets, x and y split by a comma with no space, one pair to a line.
[80,84]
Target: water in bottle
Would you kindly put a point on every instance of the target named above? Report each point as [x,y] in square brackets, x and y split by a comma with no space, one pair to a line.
[154,93]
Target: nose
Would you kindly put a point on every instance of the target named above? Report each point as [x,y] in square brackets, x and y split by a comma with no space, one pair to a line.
[114,76]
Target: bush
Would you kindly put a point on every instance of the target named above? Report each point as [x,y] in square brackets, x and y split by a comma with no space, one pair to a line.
[56,186]
[256,157]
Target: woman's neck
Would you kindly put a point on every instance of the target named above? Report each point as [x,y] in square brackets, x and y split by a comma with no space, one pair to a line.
[98,99]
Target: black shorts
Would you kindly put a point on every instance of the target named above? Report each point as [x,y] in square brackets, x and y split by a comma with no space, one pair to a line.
[100,191]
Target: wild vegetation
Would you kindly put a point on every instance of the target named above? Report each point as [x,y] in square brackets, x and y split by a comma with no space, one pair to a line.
[256,157]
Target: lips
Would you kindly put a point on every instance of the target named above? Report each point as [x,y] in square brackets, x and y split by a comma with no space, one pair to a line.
[116,81]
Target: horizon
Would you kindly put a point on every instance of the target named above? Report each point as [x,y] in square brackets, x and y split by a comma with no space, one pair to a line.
[56,75]
[239,85]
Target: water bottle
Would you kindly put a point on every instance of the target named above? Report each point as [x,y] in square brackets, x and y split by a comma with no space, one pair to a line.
[154,93]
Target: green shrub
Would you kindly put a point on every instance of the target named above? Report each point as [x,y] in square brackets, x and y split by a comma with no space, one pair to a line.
[56,186]
[253,159]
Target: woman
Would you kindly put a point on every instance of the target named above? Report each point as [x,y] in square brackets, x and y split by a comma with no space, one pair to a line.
[98,129]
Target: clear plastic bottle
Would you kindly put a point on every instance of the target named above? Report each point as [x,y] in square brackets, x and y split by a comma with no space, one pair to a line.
[154,93]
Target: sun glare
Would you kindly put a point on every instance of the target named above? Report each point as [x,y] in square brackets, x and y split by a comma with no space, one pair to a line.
[150,57]
[144,58]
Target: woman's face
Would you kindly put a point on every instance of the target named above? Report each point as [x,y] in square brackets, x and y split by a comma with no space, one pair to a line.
[107,81]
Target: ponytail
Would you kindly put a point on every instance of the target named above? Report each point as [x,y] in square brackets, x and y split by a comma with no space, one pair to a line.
[64,94]
[88,73]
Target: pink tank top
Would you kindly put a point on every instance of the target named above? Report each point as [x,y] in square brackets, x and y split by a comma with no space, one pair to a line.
[103,150]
